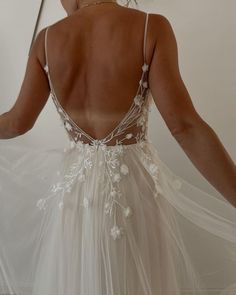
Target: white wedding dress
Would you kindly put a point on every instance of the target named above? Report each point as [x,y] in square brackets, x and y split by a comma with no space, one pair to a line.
[108,217]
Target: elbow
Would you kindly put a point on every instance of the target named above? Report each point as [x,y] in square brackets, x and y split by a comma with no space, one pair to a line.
[180,129]
[11,127]
[185,128]
[20,128]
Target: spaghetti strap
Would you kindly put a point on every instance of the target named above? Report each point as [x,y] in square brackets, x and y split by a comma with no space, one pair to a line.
[145,37]
[45,50]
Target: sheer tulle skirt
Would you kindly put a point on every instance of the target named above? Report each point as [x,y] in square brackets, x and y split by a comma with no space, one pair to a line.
[75,222]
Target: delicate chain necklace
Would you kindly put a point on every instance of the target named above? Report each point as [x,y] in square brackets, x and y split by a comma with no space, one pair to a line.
[97,2]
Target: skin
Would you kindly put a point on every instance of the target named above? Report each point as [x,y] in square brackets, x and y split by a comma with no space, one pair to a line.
[86,96]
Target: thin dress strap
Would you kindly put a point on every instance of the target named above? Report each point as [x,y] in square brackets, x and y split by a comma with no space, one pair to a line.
[46,68]
[145,37]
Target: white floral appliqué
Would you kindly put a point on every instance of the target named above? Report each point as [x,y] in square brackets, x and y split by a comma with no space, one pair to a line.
[145,67]
[41,204]
[116,232]
[68,126]
[138,100]
[86,202]
[127,212]
[129,135]
[61,205]
[177,184]
[46,68]
[124,169]
[153,168]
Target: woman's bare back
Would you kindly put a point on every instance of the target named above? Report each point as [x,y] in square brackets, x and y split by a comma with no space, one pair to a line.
[95,61]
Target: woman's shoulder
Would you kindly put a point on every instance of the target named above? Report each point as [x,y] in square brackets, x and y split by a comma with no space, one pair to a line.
[159,20]
[160,27]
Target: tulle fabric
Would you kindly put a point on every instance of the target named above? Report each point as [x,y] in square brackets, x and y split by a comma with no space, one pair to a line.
[177,240]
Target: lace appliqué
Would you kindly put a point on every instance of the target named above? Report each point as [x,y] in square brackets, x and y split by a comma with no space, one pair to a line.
[115,171]
[77,173]
[154,170]
[115,168]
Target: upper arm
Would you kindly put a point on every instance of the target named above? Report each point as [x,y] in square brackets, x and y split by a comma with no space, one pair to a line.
[165,82]
[35,88]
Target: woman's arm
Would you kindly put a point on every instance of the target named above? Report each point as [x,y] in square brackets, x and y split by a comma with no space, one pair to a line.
[33,95]
[198,140]
[8,128]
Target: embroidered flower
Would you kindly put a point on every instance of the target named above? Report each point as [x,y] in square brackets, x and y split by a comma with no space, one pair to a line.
[107,207]
[88,163]
[117,177]
[61,205]
[113,162]
[68,126]
[86,202]
[127,211]
[145,67]
[129,135]
[145,84]
[153,168]
[116,232]
[138,100]
[56,187]
[141,120]
[124,169]
[177,184]
[46,68]
[41,204]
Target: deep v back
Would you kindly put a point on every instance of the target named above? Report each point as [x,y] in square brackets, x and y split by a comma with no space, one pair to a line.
[132,128]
